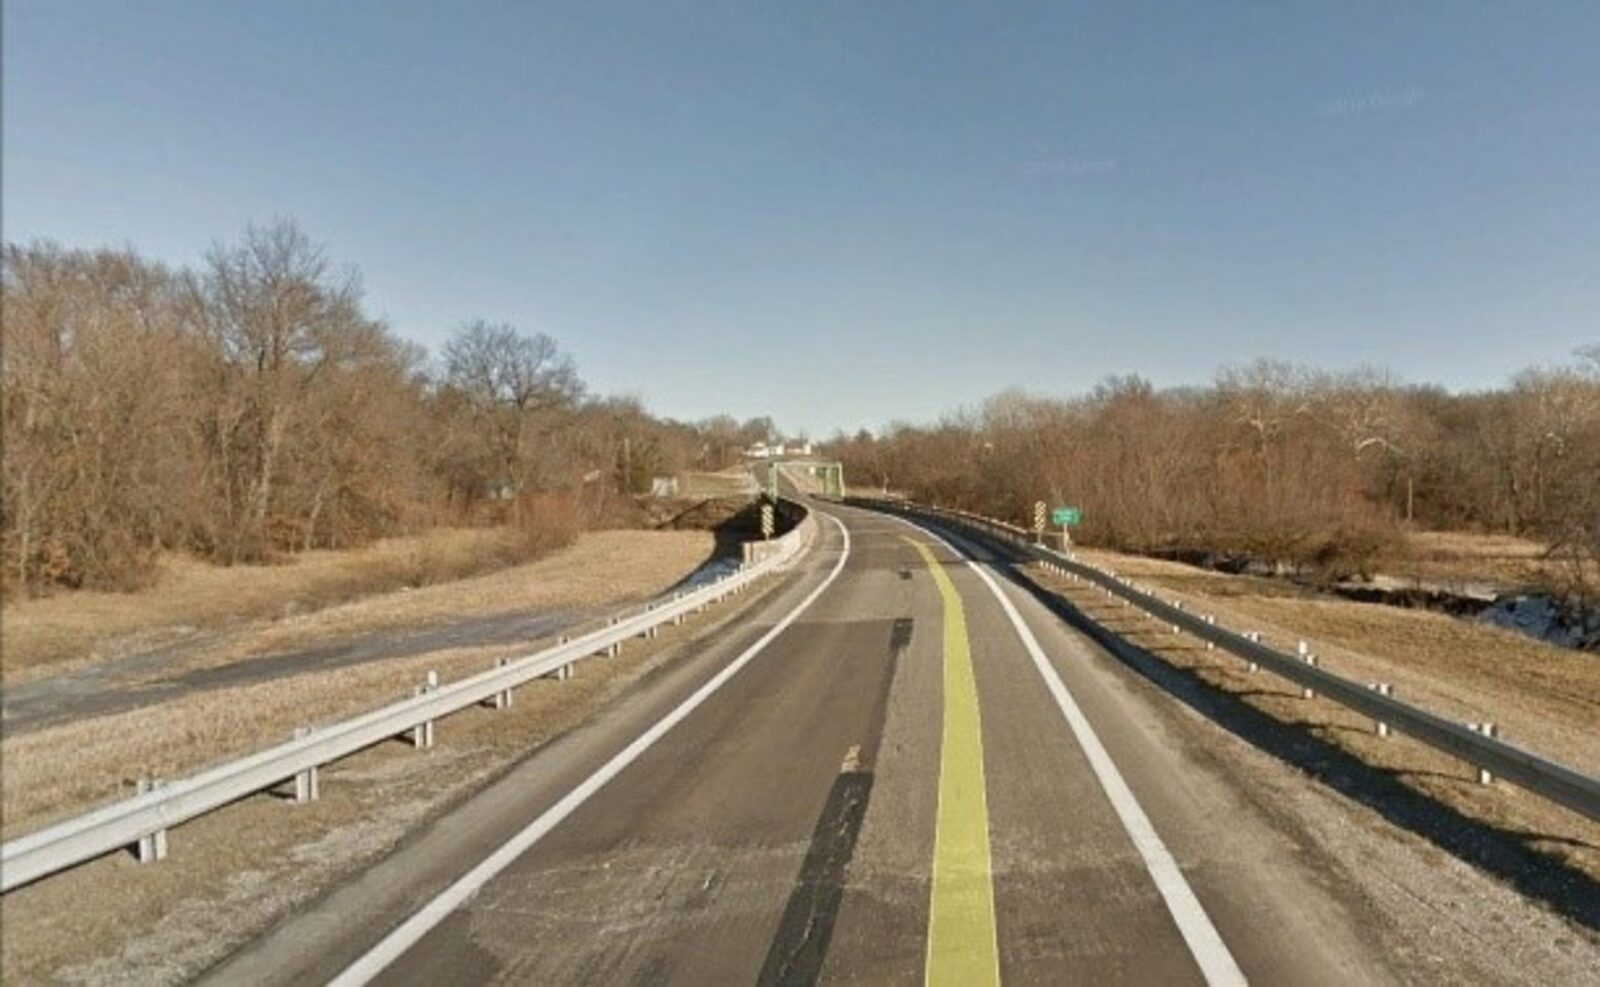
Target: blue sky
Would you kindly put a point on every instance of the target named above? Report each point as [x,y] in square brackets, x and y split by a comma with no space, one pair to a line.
[845,213]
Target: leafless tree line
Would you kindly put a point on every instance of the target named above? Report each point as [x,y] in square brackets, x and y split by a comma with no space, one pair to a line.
[251,407]
[1271,462]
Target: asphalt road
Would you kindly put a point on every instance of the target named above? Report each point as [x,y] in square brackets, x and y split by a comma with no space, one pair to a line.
[923,776]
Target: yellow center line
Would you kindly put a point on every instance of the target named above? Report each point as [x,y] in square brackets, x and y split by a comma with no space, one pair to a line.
[961,928]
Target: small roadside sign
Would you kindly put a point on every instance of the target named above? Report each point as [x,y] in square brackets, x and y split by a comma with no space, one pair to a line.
[1063,516]
[766,521]
[1038,515]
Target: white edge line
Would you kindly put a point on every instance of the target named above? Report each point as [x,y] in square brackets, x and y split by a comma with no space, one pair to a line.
[1204,942]
[405,935]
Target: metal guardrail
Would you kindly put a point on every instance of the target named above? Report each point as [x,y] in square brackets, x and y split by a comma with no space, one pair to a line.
[1472,743]
[142,821]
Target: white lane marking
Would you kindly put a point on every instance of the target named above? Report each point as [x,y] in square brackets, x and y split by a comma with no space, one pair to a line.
[1204,942]
[405,935]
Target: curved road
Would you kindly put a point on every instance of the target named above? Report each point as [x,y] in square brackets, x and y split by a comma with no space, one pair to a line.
[918,775]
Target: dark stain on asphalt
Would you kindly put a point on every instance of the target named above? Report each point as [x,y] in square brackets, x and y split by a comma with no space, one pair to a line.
[801,943]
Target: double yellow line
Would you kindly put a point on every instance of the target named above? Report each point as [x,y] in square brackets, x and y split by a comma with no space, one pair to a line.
[962,947]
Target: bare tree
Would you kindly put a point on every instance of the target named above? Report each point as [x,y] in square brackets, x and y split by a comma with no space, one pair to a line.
[514,385]
[278,313]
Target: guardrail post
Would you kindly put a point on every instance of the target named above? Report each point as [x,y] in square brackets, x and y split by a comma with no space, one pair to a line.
[1485,776]
[1385,690]
[677,618]
[153,846]
[422,733]
[306,783]
[501,699]
[1306,692]
[1211,645]
[649,633]
[615,647]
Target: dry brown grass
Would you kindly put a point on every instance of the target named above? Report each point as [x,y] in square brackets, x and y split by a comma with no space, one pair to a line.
[53,634]
[603,568]
[1454,558]
[233,873]
[1543,698]
[58,770]
[734,482]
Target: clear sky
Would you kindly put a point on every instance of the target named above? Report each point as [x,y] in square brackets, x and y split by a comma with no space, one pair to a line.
[844,213]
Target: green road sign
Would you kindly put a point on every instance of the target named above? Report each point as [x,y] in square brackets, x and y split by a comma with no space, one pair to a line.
[1066,515]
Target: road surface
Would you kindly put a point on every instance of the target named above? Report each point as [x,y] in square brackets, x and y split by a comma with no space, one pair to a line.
[901,768]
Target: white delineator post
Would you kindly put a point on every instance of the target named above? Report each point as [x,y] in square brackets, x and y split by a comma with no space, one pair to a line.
[1304,651]
[1385,690]
[1485,776]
